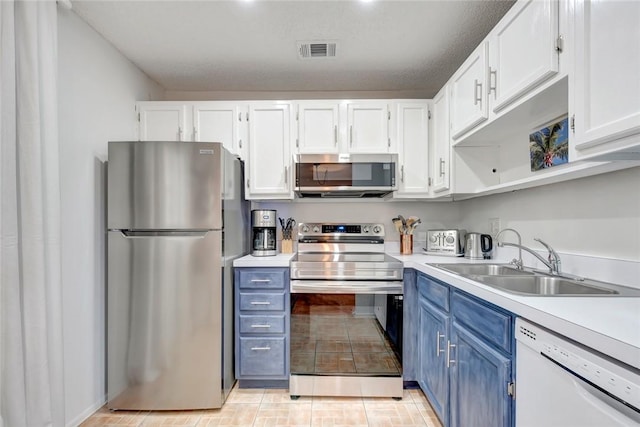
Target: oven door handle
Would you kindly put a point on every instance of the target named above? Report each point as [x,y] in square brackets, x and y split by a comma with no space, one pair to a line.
[345,287]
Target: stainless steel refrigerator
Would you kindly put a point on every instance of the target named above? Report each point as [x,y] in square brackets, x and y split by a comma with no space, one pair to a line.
[176,221]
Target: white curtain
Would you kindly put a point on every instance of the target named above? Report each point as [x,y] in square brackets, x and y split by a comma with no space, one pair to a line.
[31,368]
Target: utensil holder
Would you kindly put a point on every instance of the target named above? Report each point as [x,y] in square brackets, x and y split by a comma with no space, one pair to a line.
[287,246]
[406,244]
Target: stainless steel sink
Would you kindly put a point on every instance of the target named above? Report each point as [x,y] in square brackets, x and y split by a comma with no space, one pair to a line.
[507,278]
[484,269]
[543,285]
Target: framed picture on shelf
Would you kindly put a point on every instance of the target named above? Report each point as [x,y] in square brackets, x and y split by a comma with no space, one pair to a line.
[549,144]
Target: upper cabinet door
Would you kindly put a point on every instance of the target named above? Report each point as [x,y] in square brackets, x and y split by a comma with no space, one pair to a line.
[606,76]
[522,50]
[162,121]
[412,125]
[468,93]
[441,143]
[269,163]
[219,122]
[318,126]
[368,127]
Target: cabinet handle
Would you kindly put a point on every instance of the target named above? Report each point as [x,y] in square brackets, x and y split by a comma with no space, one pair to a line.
[195,134]
[260,303]
[449,359]
[286,176]
[441,166]
[335,135]
[438,349]
[240,143]
[477,92]
[260,348]
[402,173]
[261,326]
[239,117]
[179,133]
[493,81]
[351,136]
[260,280]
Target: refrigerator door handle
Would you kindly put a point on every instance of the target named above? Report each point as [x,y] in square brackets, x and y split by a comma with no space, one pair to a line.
[194,234]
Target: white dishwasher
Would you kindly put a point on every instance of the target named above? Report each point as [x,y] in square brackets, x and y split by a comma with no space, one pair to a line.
[562,384]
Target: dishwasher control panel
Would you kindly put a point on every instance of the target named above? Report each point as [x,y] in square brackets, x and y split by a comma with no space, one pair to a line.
[597,369]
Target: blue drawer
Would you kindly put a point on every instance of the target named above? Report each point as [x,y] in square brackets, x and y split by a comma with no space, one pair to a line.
[262,324]
[262,357]
[262,301]
[266,278]
[433,291]
[490,323]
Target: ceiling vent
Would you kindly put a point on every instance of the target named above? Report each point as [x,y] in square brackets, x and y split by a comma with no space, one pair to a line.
[317,49]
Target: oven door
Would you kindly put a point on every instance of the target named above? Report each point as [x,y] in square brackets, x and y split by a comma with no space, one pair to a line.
[340,340]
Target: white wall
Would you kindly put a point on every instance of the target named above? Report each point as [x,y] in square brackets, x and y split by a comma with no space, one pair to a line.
[97,89]
[595,216]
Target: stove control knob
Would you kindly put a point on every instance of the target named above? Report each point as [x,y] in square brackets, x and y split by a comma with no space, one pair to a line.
[377,229]
[365,229]
[449,239]
[434,238]
[316,229]
[305,228]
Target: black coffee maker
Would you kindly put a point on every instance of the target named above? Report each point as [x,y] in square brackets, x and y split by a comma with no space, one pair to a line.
[263,226]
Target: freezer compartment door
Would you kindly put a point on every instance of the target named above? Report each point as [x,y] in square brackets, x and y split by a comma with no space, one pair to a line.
[165,185]
[164,321]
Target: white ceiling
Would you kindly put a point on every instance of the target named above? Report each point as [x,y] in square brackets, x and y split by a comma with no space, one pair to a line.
[410,46]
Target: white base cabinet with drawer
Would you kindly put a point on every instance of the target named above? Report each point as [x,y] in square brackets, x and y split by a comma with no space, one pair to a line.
[262,326]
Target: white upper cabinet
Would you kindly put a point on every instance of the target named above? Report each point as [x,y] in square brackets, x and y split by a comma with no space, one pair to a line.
[162,121]
[605,83]
[412,130]
[269,164]
[522,51]
[441,143]
[368,127]
[318,127]
[220,122]
[468,92]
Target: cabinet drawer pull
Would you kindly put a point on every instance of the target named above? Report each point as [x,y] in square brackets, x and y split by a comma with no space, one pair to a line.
[402,173]
[441,166]
[260,348]
[261,326]
[260,280]
[260,303]
[335,135]
[450,361]
[493,81]
[351,136]
[438,349]
[477,92]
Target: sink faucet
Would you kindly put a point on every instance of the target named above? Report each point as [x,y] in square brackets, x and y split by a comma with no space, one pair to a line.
[553,258]
[516,262]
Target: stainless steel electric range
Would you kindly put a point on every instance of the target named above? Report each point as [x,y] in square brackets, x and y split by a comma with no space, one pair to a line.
[346,313]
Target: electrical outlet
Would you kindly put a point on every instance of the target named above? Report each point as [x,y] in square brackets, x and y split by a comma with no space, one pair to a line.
[494,226]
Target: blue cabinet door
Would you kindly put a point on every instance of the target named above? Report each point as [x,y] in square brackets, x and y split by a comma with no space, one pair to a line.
[410,327]
[479,381]
[433,374]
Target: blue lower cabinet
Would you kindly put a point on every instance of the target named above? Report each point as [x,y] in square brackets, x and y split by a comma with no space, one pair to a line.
[262,326]
[465,354]
[480,377]
[433,375]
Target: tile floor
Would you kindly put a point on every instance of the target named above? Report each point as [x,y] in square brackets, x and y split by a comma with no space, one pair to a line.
[262,408]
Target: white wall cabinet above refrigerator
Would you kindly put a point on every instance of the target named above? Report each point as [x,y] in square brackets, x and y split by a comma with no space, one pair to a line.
[268,173]
[202,121]
[605,83]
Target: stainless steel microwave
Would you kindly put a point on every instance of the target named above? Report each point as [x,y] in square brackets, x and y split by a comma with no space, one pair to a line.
[345,175]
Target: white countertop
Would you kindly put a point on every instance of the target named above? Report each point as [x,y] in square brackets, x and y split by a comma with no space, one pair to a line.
[610,325]
[280,260]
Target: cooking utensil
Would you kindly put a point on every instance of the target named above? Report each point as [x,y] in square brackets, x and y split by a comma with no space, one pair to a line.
[398,224]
